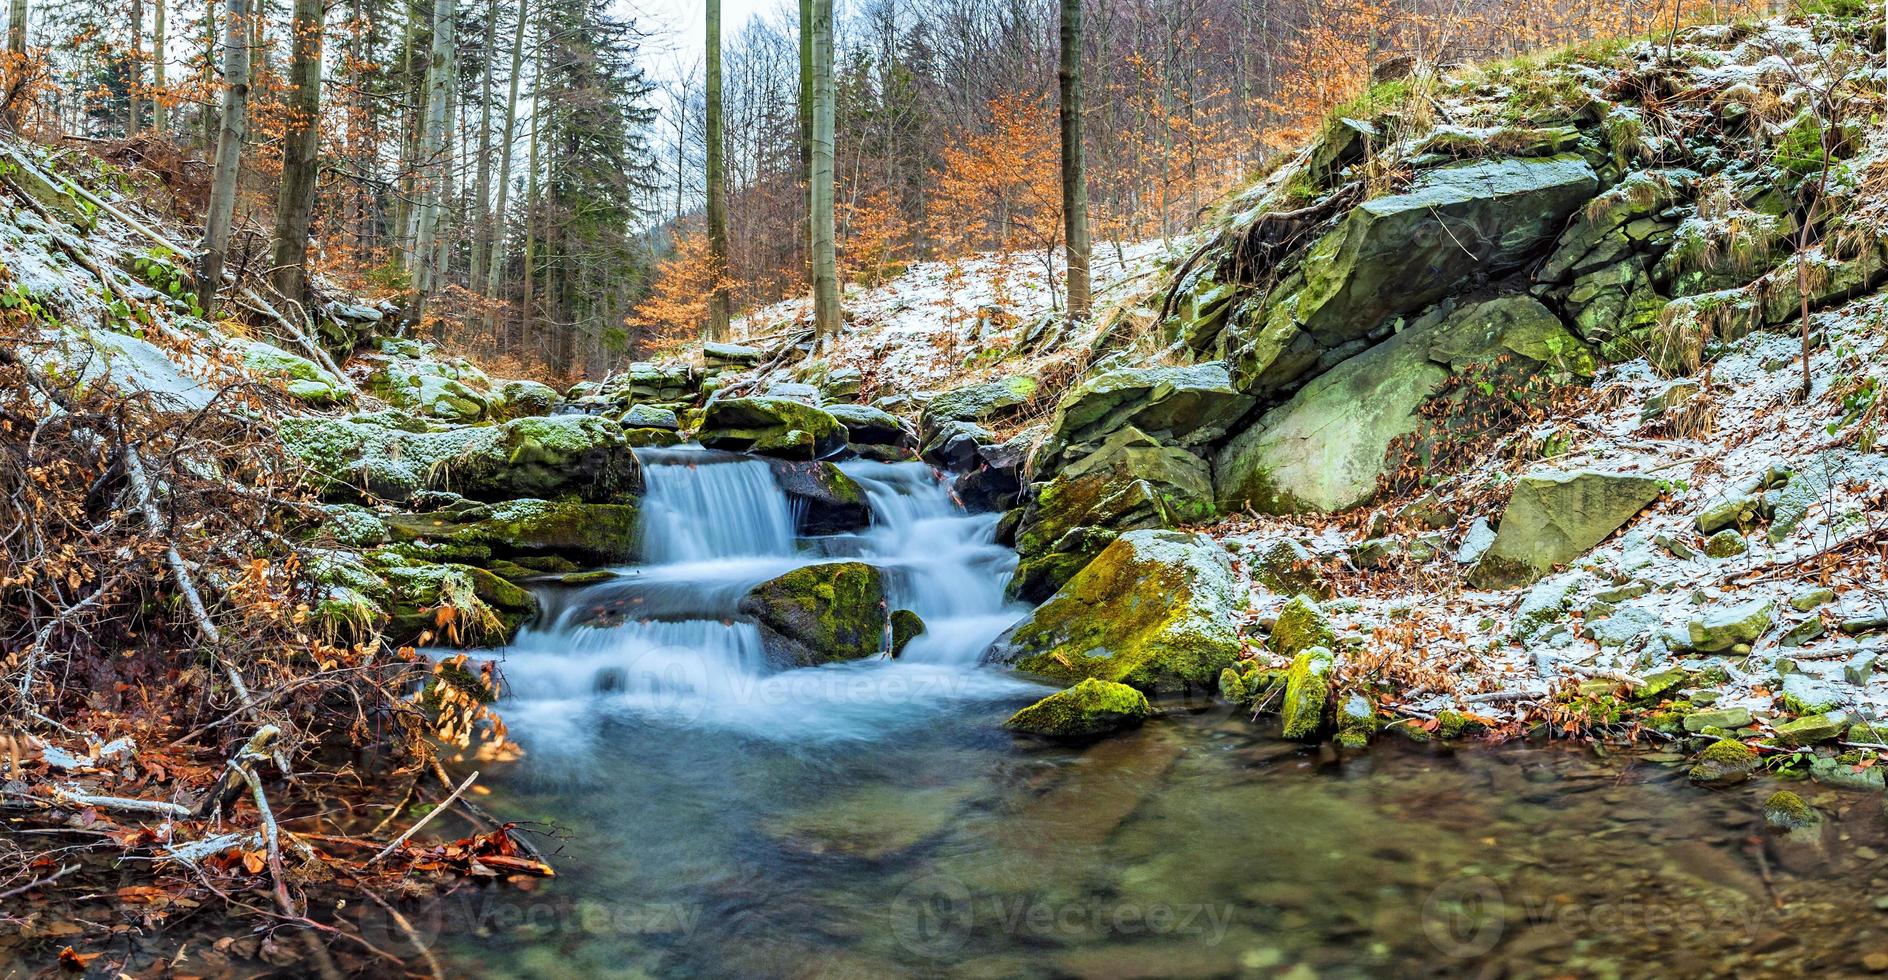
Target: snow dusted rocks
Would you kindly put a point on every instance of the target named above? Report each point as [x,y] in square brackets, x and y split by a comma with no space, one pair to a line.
[770,426]
[1155,610]
[1180,406]
[1556,516]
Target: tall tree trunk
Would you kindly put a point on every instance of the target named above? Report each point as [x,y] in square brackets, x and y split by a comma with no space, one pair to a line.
[482,184]
[531,206]
[717,329]
[207,78]
[826,315]
[135,60]
[16,28]
[159,41]
[432,156]
[806,124]
[229,151]
[1074,173]
[497,260]
[16,73]
[301,152]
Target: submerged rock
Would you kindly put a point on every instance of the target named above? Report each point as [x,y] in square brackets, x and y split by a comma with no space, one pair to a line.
[820,614]
[1556,516]
[1090,709]
[1154,610]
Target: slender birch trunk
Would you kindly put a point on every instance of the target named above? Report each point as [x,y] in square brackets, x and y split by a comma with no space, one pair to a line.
[301,152]
[1074,172]
[497,260]
[826,314]
[432,157]
[229,150]
[482,183]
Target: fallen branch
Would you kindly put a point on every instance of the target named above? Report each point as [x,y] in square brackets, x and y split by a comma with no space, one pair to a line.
[122,804]
[49,879]
[412,935]
[423,821]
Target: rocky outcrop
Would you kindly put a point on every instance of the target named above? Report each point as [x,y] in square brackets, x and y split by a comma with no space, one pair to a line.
[771,427]
[1130,482]
[1154,610]
[1556,516]
[588,534]
[391,456]
[1090,709]
[820,614]
[1186,407]
[1326,448]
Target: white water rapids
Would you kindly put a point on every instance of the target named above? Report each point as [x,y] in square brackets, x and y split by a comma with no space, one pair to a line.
[662,643]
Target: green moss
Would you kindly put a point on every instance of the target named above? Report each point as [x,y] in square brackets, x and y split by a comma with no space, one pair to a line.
[825,613]
[1454,724]
[1307,688]
[1090,708]
[1724,761]
[1232,686]
[1785,810]
[906,626]
[1301,625]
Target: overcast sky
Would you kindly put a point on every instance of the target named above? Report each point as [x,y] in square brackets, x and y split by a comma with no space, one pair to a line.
[679,27]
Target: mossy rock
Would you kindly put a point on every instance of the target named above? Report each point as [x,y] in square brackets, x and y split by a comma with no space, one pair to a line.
[1090,709]
[1556,516]
[1301,625]
[1356,720]
[819,614]
[980,402]
[1154,610]
[1785,811]
[1307,689]
[594,534]
[390,456]
[771,427]
[1725,761]
[454,602]
[906,626]
[827,500]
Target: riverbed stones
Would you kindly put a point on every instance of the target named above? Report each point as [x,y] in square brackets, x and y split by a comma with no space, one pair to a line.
[770,427]
[819,614]
[1725,761]
[1301,625]
[1090,709]
[1307,688]
[1728,719]
[1154,610]
[1556,516]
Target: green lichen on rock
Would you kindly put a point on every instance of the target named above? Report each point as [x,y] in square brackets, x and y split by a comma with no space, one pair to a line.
[1726,627]
[906,626]
[1307,688]
[587,533]
[1724,761]
[1556,516]
[1301,625]
[770,426]
[1090,709]
[1811,729]
[1153,610]
[1356,720]
[819,614]
[1785,811]
[980,402]
[1725,544]
[391,457]
[1178,406]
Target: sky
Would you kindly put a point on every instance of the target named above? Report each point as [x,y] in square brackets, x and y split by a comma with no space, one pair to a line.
[680,28]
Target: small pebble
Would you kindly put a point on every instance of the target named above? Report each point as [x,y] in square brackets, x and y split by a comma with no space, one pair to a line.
[1881,903]
[1876,962]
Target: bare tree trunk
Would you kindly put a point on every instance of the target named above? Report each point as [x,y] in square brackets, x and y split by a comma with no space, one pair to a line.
[229,150]
[16,61]
[1074,173]
[158,41]
[301,152]
[497,260]
[826,314]
[135,87]
[432,157]
[717,329]
[207,77]
[482,184]
[531,207]
[16,28]
[806,123]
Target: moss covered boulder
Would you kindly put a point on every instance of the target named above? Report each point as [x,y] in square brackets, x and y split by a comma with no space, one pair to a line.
[981,402]
[826,499]
[1090,709]
[821,614]
[869,426]
[1131,482]
[1307,689]
[1177,406]
[1556,516]
[1301,625]
[906,626]
[770,426]
[590,534]
[1725,761]
[574,456]
[1154,610]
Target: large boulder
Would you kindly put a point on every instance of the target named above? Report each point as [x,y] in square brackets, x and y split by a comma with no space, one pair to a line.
[1326,448]
[589,534]
[1088,710]
[826,499]
[980,402]
[1155,610]
[868,426]
[772,427]
[1178,406]
[1396,254]
[452,390]
[821,614]
[1556,516]
[1130,482]
[384,455]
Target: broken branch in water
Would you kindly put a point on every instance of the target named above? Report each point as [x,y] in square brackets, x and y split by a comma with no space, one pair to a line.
[423,821]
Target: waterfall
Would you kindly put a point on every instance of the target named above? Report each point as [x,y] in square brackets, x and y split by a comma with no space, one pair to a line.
[663,642]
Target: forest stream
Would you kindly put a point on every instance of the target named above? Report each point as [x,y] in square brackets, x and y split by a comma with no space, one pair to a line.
[722,818]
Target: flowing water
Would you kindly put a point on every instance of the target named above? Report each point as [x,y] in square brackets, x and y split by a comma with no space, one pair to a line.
[722,818]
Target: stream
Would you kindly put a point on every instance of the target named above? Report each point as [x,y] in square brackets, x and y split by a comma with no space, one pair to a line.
[720,818]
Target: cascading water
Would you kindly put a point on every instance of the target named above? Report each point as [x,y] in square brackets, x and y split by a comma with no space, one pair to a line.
[663,642]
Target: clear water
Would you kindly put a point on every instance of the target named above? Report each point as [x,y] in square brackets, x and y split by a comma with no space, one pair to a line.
[719,819]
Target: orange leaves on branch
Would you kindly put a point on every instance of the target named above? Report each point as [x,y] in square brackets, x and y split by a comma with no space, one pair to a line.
[677,305]
[1000,189]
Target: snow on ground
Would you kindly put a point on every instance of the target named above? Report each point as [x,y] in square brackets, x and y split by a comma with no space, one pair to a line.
[1499,653]
[941,323]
